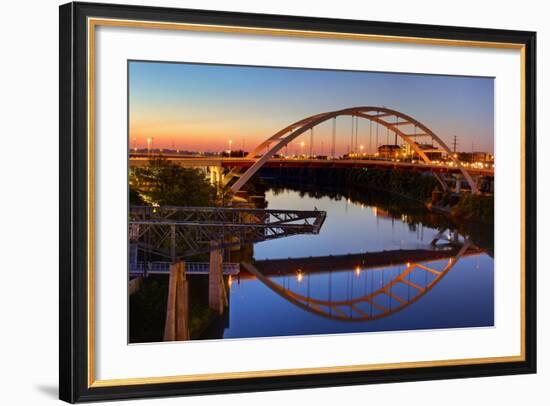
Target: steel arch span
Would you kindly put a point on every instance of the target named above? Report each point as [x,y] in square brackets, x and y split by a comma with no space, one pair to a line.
[393,120]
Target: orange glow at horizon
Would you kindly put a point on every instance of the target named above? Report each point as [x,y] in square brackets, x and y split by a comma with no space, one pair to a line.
[199,107]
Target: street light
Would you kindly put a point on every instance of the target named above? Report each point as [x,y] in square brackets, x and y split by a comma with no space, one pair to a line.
[361,147]
[149,144]
[302,144]
[230,143]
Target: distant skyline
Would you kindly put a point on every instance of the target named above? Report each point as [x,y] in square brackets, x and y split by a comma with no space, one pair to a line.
[202,107]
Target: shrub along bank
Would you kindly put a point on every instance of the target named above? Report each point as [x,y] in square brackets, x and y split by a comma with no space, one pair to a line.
[413,185]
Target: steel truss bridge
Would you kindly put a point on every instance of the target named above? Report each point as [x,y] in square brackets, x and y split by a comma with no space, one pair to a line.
[179,232]
[410,285]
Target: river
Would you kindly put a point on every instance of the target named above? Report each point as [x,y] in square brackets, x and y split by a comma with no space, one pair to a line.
[463,296]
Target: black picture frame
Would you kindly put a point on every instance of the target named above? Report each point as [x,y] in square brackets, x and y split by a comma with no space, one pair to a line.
[74,200]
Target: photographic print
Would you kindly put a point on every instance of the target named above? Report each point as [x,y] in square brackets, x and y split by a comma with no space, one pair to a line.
[269,201]
[261,202]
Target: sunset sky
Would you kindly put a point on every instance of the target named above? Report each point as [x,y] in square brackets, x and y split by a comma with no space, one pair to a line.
[201,107]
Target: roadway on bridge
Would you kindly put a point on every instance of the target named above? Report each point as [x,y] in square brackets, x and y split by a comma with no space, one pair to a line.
[244,163]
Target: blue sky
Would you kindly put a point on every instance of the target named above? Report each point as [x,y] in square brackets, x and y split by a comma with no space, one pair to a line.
[201,107]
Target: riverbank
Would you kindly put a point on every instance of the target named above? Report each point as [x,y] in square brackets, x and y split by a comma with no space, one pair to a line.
[388,204]
[148,309]
[409,185]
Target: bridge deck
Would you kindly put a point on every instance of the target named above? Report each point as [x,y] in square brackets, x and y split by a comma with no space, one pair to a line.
[245,163]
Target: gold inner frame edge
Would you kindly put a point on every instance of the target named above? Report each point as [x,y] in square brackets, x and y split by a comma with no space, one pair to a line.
[92,23]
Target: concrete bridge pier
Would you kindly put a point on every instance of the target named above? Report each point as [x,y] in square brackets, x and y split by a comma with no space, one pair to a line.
[216,175]
[217,296]
[458,183]
[176,327]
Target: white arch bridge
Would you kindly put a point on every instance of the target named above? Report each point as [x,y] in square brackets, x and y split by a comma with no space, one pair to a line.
[401,125]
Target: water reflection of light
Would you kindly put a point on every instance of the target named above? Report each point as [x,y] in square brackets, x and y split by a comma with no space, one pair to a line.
[377,275]
[230,280]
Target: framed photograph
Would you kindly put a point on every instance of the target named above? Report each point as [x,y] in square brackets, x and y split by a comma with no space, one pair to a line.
[255,202]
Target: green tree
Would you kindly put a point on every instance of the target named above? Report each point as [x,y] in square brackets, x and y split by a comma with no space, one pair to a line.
[165,183]
[135,197]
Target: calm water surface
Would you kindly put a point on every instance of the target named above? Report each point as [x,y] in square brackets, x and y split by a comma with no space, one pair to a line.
[463,297]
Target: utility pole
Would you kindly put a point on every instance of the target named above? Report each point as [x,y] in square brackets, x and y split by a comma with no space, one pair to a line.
[333,145]
[350,150]
[396,124]
[454,143]
[311,143]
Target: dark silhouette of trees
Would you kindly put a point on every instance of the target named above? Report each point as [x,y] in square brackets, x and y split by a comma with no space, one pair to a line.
[163,183]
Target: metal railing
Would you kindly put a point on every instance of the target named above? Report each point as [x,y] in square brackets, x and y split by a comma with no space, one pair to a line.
[191,268]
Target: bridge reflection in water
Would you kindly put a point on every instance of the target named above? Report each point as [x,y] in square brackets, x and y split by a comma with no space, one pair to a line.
[408,286]
[393,241]
[409,272]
